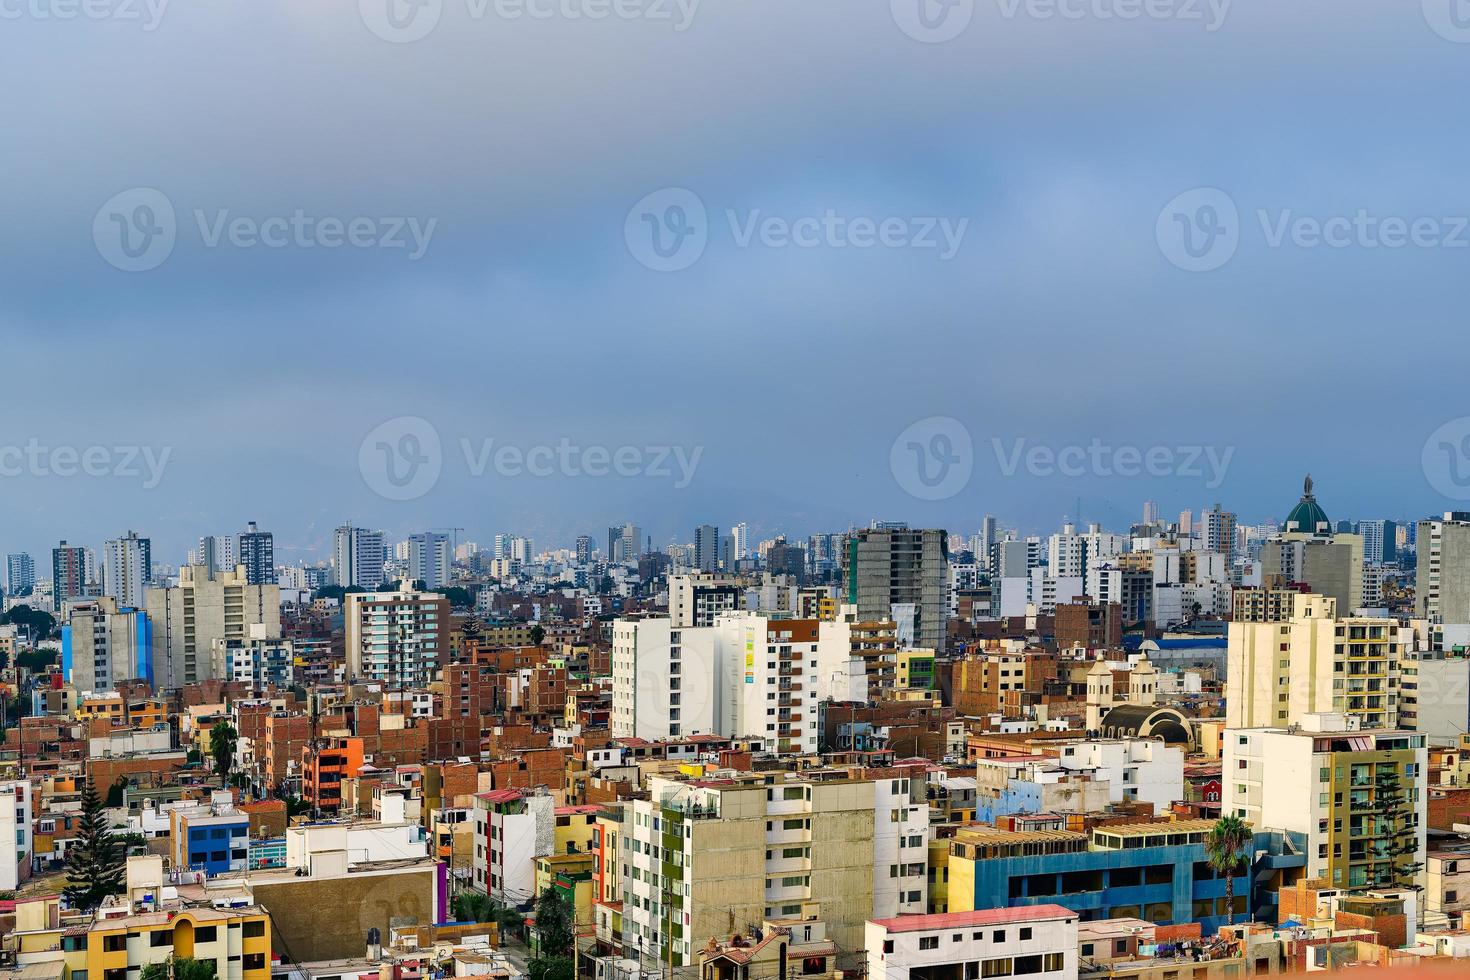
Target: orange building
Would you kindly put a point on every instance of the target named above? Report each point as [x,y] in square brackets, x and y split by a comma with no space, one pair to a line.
[325,766]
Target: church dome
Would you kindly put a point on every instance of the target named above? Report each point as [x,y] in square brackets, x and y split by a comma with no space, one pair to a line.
[1307,516]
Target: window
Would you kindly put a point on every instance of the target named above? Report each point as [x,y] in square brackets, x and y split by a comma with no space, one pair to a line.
[206,934]
[1053,962]
[114,944]
[254,961]
[887,948]
[998,936]
[254,929]
[161,937]
[1026,932]
[996,968]
[928,942]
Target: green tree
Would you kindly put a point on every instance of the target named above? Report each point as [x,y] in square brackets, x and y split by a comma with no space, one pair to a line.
[222,741]
[1227,839]
[35,660]
[95,865]
[40,622]
[179,968]
[472,907]
[553,926]
[538,633]
[1396,841]
[458,596]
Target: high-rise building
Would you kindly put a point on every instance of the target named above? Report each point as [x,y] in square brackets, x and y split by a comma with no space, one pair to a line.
[1277,672]
[429,560]
[68,574]
[258,555]
[1442,568]
[186,619]
[1352,799]
[898,566]
[1380,542]
[20,574]
[358,557]
[739,542]
[662,688]
[707,548]
[216,552]
[584,549]
[127,568]
[1220,532]
[624,544]
[104,644]
[399,639]
[695,600]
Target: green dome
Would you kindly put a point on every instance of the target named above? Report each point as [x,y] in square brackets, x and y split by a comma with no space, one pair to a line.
[1307,515]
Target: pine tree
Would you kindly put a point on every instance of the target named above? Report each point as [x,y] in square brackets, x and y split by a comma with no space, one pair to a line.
[1396,841]
[95,865]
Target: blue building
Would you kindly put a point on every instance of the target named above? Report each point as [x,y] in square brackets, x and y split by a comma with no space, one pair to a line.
[211,839]
[1154,871]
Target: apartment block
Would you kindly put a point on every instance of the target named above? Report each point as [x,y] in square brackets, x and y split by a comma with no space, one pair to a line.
[104,644]
[205,606]
[1323,785]
[898,566]
[1316,662]
[1038,941]
[234,942]
[399,639]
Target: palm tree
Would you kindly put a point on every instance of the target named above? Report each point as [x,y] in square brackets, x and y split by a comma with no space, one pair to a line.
[1227,839]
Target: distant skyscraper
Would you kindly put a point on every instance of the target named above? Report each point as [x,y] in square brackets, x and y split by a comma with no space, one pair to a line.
[20,574]
[584,549]
[739,542]
[889,567]
[1186,523]
[1380,542]
[68,574]
[127,567]
[1150,512]
[707,548]
[357,557]
[1220,532]
[429,560]
[258,555]
[216,552]
[624,544]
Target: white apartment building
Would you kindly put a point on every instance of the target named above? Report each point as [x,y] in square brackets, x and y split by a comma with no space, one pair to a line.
[15,825]
[127,567]
[399,639]
[746,675]
[512,829]
[1137,770]
[1318,784]
[1037,941]
[698,599]
[663,687]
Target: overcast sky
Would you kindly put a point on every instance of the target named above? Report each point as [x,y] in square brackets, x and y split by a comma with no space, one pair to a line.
[260,241]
